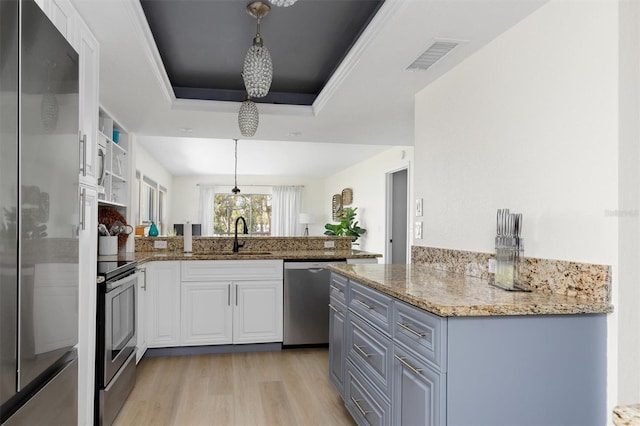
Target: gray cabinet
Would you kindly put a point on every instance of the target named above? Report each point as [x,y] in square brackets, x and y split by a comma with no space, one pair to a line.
[336,345]
[418,391]
[363,401]
[371,351]
[402,365]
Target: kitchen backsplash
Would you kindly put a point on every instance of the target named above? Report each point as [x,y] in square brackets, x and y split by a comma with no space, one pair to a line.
[225,244]
[545,275]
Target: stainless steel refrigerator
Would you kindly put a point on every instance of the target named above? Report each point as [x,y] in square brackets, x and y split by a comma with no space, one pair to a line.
[39,210]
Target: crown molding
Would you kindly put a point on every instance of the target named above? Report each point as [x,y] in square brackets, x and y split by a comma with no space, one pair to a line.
[135,12]
[388,9]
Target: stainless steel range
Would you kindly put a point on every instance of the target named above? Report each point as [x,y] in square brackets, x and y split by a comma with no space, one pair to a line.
[115,338]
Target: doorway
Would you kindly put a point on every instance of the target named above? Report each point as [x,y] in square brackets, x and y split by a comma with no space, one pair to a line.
[397,217]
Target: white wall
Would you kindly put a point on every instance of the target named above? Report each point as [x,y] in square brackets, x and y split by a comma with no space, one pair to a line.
[368,181]
[148,166]
[628,291]
[186,194]
[530,122]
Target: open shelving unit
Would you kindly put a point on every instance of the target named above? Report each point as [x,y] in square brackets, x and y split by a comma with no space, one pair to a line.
[113,175]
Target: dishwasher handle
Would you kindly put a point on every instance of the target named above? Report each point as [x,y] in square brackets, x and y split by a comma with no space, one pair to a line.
[312,266]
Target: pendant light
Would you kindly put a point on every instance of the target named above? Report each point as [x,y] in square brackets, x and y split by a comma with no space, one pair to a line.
[235,189]
[257,72]
[49,103]
[248,118]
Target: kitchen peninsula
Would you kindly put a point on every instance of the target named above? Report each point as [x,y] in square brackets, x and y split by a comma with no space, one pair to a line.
[418,344]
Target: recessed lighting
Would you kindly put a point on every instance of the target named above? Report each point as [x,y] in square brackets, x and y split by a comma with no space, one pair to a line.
[186,129]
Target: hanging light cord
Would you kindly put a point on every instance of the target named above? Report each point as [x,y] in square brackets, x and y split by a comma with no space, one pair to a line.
[235,189]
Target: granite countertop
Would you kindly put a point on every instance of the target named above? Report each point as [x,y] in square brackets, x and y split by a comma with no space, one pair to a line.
[142,257]
[626,415]
[448,294]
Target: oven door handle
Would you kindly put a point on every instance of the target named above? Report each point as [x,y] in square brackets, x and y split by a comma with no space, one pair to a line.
[121,282]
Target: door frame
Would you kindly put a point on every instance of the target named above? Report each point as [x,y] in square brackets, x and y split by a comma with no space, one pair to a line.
[388,212]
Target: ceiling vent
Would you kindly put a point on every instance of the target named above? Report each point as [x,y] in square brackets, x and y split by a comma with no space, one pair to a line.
[432,55]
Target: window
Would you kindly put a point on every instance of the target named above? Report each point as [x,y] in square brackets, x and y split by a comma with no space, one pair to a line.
[255,208]
[152,202]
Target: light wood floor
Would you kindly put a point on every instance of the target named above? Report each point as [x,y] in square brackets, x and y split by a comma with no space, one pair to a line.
[290,387]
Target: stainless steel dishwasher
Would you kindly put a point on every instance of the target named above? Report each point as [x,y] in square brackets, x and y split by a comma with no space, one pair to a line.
[306,302]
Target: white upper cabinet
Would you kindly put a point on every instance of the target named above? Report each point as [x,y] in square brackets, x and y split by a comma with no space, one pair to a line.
[63,15]
[89,52]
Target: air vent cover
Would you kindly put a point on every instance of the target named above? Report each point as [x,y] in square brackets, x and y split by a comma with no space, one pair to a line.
[433,54]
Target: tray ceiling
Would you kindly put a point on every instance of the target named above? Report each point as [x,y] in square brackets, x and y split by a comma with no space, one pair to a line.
[203,44]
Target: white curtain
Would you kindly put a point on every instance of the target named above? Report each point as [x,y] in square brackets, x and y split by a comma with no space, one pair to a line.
[285,209]
[205,209]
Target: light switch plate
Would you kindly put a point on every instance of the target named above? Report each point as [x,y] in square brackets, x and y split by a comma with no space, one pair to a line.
[418,230]
[419,207]
[329,244]
[161,244]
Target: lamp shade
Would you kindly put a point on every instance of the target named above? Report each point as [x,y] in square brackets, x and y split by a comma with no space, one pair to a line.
[306,218]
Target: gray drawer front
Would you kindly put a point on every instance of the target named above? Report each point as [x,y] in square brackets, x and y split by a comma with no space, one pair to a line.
[421,332]
[372,305]
[371,351]
[364,403]
[338,287]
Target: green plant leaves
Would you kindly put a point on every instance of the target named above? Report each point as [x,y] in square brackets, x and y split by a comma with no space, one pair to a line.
[348,226]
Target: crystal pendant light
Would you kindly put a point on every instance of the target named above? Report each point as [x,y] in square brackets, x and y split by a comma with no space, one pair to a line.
[248,118]
[257,72]
[282,3]
[49,103]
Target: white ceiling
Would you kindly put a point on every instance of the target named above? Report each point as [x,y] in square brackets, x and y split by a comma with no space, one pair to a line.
[368,101]
[255,157]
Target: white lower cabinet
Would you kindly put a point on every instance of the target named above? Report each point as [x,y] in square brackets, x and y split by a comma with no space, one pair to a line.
[231,302]
[217,302]
[206,313]
[257,314]
[163,304]
[141,314]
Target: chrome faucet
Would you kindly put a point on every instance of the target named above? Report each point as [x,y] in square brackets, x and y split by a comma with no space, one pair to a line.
[236,244]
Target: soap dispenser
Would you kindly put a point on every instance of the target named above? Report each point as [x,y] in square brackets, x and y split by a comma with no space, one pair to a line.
[153,230]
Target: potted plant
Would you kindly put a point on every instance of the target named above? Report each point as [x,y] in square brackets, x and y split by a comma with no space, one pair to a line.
[348,226]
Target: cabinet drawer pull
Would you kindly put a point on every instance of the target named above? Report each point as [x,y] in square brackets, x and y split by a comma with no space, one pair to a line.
[364,304]
[403,361]
[334,309]
[336,289]
[228,294]
[362,410]
[410,330]
[361,350]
